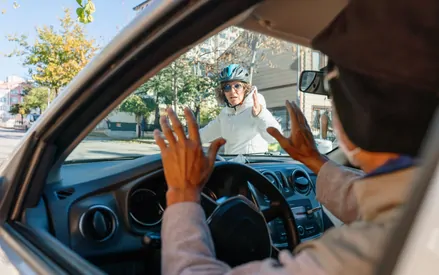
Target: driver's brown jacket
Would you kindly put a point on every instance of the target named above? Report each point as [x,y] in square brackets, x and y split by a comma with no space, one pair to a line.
[354,248]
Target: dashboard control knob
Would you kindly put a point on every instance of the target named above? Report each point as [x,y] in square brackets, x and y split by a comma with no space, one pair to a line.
[152,240]
[300,230]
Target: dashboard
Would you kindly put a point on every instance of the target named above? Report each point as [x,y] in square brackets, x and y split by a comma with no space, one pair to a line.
[110,212]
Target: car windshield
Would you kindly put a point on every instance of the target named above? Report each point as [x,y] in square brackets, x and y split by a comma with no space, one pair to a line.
[273,66]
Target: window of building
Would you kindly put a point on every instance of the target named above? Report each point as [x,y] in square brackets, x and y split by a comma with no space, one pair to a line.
[316,61]
[14,100]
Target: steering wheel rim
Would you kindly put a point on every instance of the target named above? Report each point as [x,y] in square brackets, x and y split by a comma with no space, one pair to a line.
[279,207]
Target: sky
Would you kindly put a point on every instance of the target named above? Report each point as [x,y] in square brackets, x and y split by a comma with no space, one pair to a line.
[110,17]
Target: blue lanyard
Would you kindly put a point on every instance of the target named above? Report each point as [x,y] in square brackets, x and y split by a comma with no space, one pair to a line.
[393,165]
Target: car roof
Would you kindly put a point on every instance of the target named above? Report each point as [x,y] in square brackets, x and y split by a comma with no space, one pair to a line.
[297,21]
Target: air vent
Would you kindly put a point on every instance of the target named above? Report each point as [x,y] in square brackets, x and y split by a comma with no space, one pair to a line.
[282,180]
[273,179]
[98,223]
[62,194]
[300,181]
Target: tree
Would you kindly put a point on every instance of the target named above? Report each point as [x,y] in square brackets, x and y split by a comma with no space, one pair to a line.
[252,48]
[197,91]
[177,74]
[179,84]
[208,114]
[38,98]
[139,106]
[159,88]
[19,109]
[56,56]
[84,12]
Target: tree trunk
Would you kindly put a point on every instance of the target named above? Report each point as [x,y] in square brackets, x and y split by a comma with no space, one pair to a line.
[197,113]
[175,100]
[254,48]
[157,112]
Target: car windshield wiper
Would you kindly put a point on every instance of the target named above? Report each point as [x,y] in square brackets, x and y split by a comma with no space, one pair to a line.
[255,154]
[260,154]
[74,161]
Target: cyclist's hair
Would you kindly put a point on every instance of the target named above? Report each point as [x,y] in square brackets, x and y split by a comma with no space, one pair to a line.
[221,97]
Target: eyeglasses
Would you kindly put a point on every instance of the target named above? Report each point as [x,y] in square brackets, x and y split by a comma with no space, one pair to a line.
[228,87]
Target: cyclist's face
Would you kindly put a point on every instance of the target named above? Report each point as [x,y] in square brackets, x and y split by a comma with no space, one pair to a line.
[234,91]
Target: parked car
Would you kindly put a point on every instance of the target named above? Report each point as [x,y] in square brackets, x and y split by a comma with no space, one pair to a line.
[30,120]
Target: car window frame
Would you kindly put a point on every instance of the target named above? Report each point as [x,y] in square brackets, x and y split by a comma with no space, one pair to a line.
[424,179]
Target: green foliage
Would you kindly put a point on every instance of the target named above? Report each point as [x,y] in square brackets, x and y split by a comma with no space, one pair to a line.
[208,114]
[85,11]
[19,109]
[38,98]
[196,90]
[56,57]
[138,106]
[158,87]
[180,84]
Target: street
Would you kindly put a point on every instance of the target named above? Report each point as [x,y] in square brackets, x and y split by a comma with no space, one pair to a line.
[103,148]
[9,139]
[91,148]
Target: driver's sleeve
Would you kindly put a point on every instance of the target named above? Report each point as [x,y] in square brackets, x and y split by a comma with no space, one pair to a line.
[335,190]
[187,248]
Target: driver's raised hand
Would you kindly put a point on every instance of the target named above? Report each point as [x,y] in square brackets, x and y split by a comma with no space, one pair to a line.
[300,145]
[186,166]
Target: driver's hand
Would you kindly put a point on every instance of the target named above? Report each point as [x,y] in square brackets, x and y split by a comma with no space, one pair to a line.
[300,145]
[186,166]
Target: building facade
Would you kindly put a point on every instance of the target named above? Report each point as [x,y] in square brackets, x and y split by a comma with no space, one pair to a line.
[11,93]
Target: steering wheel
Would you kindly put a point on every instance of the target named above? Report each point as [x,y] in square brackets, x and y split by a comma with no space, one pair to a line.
[239,228]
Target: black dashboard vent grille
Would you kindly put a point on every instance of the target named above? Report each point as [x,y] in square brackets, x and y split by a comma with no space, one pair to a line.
[98,223]
[282,180]
[62,194]
[301,181]
[273,179]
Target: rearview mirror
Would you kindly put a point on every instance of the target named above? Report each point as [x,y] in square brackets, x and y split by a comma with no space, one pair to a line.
[311,82]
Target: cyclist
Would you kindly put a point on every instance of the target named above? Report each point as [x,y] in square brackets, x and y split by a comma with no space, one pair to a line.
[244,119]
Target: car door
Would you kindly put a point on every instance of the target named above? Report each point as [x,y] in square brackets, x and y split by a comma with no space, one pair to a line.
[414,246]
[163,31]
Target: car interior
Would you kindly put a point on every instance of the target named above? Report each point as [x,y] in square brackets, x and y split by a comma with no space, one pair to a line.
[105,216]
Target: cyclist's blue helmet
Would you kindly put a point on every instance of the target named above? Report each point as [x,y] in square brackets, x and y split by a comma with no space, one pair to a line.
[234,72]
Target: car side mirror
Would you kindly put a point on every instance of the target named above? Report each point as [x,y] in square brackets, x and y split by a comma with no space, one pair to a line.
[311,82]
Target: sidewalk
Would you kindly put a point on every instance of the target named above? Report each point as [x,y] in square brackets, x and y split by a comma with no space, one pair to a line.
[4,126]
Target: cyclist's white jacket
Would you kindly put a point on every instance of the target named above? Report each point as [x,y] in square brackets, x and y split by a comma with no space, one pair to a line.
[244,133]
